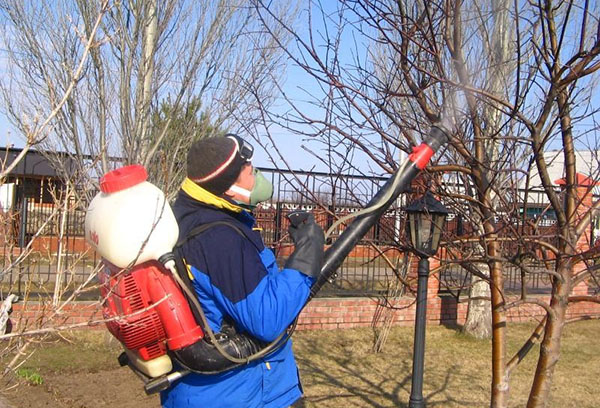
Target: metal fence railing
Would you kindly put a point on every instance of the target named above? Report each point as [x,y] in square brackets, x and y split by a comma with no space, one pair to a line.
[39,240]
[370,267]
[456,279]
[52,237]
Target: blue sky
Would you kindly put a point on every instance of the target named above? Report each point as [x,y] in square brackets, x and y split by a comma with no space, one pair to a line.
[305,91]
[288,143]
[300,87]
[7,132]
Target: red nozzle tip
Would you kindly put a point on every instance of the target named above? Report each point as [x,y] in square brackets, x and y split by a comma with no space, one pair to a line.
[421,155]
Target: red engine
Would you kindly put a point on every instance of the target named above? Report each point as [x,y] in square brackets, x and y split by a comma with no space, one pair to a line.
[148,311]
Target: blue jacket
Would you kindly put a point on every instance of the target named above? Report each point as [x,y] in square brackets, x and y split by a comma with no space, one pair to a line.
[237,277]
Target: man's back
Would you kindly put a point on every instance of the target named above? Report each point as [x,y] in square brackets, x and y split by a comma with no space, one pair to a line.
[237,278]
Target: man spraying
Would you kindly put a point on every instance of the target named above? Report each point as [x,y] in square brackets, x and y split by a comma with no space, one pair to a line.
[236,278]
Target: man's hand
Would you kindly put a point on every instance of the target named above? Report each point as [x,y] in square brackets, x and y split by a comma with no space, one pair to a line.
[309,239]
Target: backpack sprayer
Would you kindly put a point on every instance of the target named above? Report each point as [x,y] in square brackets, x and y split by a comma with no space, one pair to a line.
[148,302]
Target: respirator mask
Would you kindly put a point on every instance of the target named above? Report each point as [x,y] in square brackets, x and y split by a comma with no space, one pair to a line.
[262,190]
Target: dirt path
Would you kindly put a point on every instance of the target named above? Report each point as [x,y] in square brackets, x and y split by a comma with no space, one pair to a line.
[4,403]
[112,388]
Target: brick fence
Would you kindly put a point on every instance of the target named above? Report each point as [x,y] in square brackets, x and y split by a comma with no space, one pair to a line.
[341,313]
[335,313]
[331,313]
[319,314]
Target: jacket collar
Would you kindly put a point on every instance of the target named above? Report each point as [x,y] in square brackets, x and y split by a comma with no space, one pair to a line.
[199,194]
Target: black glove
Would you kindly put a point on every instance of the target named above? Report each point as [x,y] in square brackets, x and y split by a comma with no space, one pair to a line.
[309,239]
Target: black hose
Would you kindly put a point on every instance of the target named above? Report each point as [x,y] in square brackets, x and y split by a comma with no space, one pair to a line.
[340,249]
[398,183]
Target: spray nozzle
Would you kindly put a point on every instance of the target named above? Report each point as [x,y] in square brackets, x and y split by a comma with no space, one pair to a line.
[437,137]
[422,154]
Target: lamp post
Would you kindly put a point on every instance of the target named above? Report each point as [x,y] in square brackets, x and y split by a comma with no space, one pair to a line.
[426,218]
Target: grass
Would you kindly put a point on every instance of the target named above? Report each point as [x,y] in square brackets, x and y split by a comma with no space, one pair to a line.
[339,369]
[76,352]
[30,375]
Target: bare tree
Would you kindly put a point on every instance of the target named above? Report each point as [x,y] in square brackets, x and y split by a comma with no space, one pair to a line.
[520,79]
[98,84]
[35,129]
[498,49]
[145,53]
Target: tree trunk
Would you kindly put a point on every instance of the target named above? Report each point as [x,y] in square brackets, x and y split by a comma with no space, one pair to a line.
[500,386]
[148,76]
[550,347]
[479,313]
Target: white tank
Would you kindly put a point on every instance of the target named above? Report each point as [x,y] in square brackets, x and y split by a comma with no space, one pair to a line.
[129,221]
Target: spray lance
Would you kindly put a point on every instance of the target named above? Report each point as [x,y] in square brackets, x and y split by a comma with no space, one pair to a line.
[368,217]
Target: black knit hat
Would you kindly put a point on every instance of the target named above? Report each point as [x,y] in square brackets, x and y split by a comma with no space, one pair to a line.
[214,163]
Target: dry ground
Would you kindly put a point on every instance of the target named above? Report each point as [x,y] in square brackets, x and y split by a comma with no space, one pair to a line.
[337,367]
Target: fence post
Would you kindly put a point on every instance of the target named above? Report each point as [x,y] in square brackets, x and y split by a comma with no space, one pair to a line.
[278,214]
[330,219]
[23,224]
[22,236]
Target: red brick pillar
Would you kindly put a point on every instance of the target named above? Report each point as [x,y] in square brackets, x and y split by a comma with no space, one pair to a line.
[584,203]
[434,302]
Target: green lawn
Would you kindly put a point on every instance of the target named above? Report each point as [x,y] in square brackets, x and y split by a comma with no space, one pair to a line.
[338,369]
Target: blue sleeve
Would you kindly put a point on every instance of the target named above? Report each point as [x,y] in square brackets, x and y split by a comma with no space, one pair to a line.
[278,298]
[244,282]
